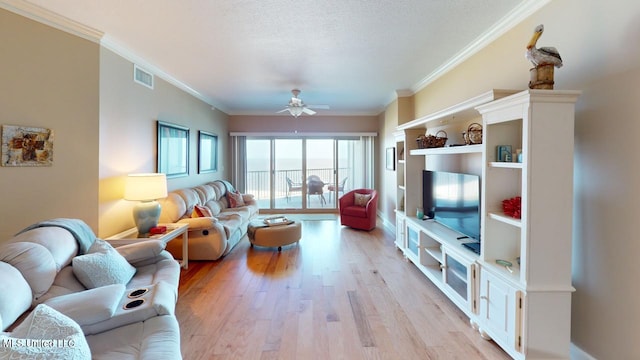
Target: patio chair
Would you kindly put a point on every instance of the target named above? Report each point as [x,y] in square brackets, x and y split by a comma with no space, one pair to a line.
[339,189]
[315,186]
[291,187]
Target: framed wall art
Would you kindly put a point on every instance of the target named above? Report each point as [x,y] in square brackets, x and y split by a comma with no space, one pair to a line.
[391,158]
[173,149]
[207,152]
[26,146]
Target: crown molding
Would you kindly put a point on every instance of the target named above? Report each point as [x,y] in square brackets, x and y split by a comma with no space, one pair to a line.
[47,17]
[108,43]
[510,20]
[404,93]
[328,113]
[44,16]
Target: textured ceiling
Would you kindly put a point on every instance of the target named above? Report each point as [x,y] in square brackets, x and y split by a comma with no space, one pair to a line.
[245,56]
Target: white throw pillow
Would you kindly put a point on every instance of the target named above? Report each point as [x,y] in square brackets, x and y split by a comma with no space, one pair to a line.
[362,199]
[102,266]
[45,334]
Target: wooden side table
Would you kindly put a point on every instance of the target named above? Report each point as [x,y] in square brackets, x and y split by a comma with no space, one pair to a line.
[174,230]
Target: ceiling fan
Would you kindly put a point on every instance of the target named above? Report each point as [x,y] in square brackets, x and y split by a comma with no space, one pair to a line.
[297,107]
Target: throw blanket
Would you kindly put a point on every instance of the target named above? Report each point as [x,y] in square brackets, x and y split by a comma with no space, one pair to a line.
[78,228]
[228,185]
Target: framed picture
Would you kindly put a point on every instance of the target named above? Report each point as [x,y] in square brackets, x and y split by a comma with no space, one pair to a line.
[391,158]
[503,153]
[173,149]
[207,152]
[26,146]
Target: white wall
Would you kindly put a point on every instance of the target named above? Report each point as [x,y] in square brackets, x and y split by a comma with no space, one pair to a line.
[598,42]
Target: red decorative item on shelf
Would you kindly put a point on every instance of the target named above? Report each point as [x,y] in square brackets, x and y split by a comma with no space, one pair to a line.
[512,207]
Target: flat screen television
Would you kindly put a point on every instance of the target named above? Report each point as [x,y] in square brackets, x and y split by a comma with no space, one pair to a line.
[453,200]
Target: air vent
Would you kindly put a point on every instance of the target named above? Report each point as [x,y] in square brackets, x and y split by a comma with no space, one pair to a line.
[142,77]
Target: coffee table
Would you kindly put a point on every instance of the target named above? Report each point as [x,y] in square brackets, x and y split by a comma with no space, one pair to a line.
[261,234]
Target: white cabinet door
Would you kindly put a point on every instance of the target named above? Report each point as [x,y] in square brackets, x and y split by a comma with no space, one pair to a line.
[500,311]
[459,281]
[412,250]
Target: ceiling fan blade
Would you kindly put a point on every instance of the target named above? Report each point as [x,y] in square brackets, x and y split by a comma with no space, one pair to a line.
[308,111]
[283,110]
[319,107]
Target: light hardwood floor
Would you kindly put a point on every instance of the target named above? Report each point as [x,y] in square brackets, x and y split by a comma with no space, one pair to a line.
[338,294]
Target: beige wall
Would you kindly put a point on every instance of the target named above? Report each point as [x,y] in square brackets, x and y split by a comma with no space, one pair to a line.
[302,124]
[104,126]
[598,43]
[49,79]
[388,120]
[128,116]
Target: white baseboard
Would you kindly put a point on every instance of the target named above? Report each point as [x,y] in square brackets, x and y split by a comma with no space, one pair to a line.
[577,353]
[388,225]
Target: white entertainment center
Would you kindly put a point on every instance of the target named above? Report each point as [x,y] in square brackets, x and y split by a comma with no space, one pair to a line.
[525,308]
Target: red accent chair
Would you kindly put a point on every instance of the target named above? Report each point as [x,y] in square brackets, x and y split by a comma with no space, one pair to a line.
[355,216]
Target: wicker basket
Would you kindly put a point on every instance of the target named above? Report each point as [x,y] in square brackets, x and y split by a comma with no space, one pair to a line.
[432,141]
[474,134]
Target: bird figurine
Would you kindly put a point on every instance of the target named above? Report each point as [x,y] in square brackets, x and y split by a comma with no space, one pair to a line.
[543,55]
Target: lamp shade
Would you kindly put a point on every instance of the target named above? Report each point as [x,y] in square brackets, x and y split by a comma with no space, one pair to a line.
[145,187]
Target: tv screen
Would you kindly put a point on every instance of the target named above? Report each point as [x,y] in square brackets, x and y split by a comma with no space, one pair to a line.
[453,200]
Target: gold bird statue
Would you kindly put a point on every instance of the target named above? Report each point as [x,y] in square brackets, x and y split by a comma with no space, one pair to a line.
[543,55]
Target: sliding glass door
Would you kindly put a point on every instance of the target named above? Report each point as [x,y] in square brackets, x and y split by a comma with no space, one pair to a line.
[302,174]
[258,168]
[321,170]
[288,174]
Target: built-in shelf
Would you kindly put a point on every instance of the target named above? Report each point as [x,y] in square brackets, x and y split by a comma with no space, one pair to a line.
[512,276]
[507,304]
[506,219]
[434,252]
[459,113]
[505,165]
[448,150]
[435,271]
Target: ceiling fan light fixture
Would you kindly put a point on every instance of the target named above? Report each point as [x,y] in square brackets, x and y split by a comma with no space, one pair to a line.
[295,110]
[297,107]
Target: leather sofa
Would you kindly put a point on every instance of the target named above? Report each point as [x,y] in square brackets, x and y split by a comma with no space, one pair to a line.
[43,275]
[215,234]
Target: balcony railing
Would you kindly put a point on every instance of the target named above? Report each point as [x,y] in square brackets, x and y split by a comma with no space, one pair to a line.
[258,181]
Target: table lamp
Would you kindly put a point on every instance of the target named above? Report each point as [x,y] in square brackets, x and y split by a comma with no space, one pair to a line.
[146,188]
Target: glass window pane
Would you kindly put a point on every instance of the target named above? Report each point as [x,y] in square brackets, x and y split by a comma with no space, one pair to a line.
[320,174]
[288,174]
[258,164]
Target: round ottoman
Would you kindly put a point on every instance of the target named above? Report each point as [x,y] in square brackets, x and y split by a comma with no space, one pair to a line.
[273,236]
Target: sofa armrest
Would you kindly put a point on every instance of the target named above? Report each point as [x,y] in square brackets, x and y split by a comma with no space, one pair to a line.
[89,306]
[199,223]
[248,198]
[142,250]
